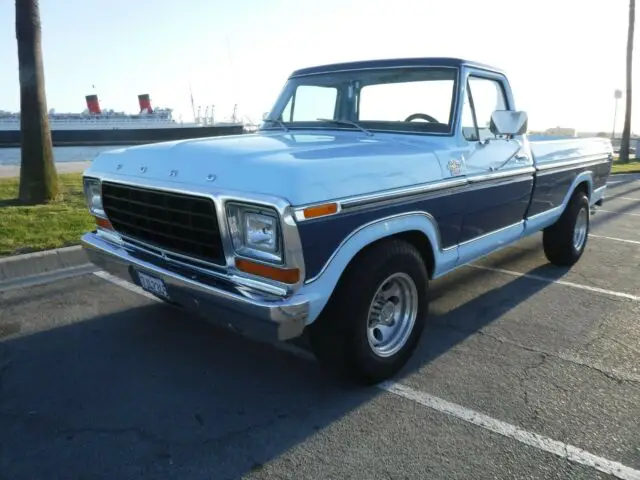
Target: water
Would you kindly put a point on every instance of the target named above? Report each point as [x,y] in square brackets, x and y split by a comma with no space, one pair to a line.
[11,156]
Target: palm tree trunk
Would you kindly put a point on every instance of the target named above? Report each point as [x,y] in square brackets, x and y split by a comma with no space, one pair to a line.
[38,178]
[626,132]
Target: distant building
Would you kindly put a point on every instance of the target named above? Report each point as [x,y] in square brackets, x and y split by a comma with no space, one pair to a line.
[561,132]
[556,133]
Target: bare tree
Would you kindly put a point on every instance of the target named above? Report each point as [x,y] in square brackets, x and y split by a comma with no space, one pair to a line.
[38,178]
[626,132]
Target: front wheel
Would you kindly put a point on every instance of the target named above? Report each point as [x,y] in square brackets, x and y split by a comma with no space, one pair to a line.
[374,319]
[565,241]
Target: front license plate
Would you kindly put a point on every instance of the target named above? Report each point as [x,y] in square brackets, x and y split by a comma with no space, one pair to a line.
[153,285]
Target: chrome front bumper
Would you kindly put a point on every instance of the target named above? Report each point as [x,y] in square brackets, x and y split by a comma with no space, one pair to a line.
[250,312]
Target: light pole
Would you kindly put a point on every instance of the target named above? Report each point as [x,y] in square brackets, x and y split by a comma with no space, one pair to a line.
[617,95]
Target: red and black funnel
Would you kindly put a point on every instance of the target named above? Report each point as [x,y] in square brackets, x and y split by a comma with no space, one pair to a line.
[93,104]
[145,103]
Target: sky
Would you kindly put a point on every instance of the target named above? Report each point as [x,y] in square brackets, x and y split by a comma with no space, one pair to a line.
[564,58]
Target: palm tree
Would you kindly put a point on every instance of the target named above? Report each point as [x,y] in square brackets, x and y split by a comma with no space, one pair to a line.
[38,178]
[626,132]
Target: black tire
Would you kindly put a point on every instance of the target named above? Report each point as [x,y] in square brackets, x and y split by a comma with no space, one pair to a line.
[558,239]
[339,337]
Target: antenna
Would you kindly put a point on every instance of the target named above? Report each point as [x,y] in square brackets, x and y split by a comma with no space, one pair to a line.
[193,107]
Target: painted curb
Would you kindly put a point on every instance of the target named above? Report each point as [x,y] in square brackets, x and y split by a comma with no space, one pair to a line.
[38,263]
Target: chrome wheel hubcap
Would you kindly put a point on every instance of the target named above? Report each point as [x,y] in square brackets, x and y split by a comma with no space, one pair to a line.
[392,314]
[580,229]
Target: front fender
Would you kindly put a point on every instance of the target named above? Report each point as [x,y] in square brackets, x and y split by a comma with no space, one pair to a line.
[322,285]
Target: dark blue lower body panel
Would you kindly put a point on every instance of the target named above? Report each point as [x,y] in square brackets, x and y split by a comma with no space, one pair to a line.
[493,208]
[551,187]
[461,215]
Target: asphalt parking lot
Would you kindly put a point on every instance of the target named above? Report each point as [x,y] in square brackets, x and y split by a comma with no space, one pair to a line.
[526,371]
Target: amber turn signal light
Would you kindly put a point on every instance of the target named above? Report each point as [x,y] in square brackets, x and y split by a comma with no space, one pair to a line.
[104,223]
[320,210]
[285,275]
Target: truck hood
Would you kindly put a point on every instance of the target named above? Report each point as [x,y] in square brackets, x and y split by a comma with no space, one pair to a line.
[301,167]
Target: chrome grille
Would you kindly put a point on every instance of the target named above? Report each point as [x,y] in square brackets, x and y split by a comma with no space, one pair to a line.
[175,222]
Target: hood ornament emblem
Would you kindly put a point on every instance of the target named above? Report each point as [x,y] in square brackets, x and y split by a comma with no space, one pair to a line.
[173,173]
[211,177]
[118,166]
[143,169]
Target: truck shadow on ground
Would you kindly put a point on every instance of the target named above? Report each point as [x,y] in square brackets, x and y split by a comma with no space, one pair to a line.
[602,218]
[612,194]
[149,391]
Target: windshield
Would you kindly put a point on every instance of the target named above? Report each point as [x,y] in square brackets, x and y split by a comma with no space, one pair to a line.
[415,99]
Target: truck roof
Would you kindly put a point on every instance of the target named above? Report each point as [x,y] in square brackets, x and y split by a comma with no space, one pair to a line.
[394,62]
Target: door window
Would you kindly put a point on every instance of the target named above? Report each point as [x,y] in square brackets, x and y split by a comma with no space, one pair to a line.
[483,97]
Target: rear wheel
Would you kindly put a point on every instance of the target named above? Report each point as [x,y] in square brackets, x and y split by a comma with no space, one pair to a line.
[374,319]
[565,241]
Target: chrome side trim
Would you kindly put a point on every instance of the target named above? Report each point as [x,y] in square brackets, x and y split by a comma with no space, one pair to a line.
[484,236]
[486,177]
[551,211]
[360,200]
[351,203]
[443,187]
[573,163]
[373,222]
[488,243]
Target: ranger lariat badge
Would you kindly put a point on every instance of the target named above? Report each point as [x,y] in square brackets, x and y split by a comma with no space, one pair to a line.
[454,166]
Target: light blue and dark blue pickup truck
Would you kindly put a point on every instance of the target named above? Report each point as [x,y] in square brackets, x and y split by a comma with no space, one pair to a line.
[364,182]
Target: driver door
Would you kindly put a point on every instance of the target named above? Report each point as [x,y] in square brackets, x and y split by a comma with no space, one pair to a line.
[500,183]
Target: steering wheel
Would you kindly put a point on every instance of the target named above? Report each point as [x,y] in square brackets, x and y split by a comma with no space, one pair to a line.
[423,116]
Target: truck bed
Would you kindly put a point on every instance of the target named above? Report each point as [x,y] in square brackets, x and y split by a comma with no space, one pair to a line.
[547,150]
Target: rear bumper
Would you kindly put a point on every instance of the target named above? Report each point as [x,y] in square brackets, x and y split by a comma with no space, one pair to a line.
[253,313]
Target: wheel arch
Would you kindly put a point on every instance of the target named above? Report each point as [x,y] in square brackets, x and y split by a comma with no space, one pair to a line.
[417,228]
[585,186]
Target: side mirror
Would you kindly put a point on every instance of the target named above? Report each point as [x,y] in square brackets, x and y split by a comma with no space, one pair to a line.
[508,122]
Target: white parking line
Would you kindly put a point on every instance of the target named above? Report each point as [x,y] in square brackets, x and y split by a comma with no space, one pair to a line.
[625,198]
[624,240]
[555,447]
[47,277]
[127,285]
[588,288]
[549,445]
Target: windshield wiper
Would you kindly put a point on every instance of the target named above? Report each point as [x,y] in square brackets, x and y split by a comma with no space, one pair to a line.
[279,122]
[346,122]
